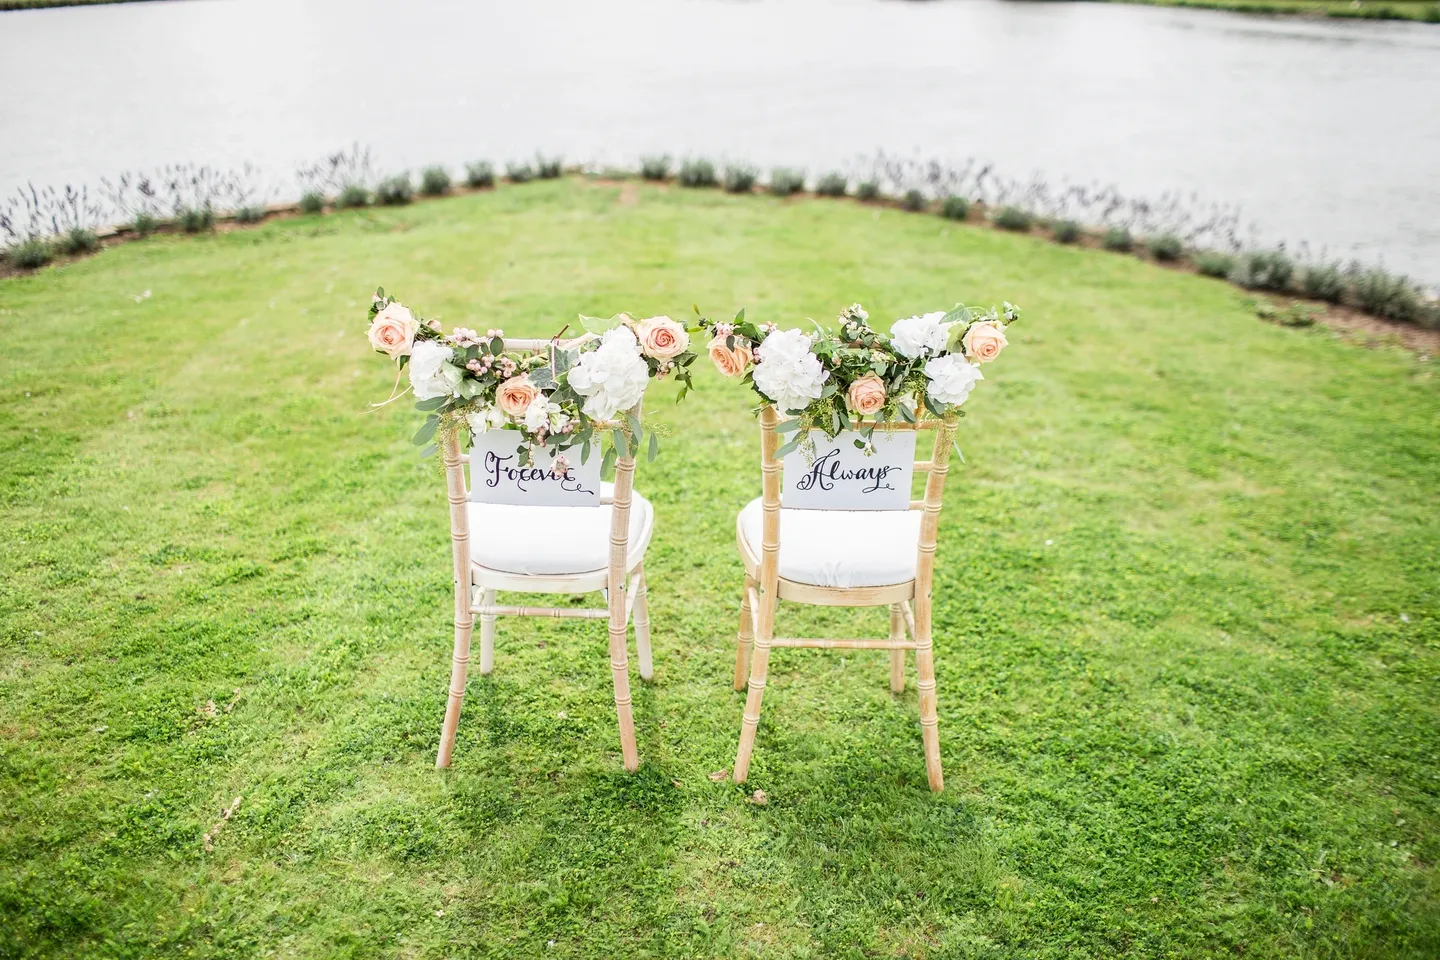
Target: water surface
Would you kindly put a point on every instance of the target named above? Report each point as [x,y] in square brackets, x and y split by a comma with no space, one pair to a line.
[1320,130]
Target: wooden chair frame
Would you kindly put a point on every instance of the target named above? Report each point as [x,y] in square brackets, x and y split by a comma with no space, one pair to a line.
[476,587]
[910,626]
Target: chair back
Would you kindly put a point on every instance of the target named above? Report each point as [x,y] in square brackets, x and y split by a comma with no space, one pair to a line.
[493,457]
[842,477]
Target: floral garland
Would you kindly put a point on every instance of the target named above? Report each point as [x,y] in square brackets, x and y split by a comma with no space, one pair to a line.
[557,399]
[570,396]
[825,381]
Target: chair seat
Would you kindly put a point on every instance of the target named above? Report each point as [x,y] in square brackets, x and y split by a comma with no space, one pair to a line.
[839,548]
[553,541]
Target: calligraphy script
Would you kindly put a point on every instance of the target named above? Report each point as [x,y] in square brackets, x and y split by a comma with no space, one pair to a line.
[827,469]
[496,470]
[840,476]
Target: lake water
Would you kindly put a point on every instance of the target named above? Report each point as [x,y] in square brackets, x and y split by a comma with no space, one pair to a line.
[1320,130]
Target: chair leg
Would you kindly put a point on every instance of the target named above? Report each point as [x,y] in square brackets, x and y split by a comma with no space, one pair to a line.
[746,637]
[642,626]
[929,722]
[459,666]
[897,657]
[487,635]
[620,675]
[759,669]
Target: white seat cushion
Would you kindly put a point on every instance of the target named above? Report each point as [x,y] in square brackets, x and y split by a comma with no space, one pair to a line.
[552,541]
[840,548]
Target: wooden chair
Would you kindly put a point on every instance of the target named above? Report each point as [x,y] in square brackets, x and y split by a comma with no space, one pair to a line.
[594,549]
[866,562]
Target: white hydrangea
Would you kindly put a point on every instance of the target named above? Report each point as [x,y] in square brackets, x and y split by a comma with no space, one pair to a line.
[485,418]
[917,337]
[432,374]
[788,372]
[543,413]
[613,376]
[951,378]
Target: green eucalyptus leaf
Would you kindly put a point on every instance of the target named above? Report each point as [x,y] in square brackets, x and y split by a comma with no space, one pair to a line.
[426,431]
[434,403]
[654,447]
[598,326]
[786,426]
[960,313]
[787,449]
[607,464]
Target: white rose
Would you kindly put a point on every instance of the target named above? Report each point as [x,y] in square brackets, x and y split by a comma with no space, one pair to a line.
[431,372]
[951,379]
[918,337]
[788,372]
[486,418]
[613,376]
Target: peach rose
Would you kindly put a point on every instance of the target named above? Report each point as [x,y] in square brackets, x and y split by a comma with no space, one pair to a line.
[730,361]
[515,395]
[393,331]
[984,340]
[866,395]
[662,338]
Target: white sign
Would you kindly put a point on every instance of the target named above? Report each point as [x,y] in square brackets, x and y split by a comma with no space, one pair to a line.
[496,475]
[843,477]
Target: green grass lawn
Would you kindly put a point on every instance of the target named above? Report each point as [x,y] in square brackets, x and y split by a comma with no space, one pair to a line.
[1187,620]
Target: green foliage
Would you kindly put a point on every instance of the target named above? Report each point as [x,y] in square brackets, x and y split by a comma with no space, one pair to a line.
[395,191]
[697,173]
[519,172]
[479,174]
[145,224]
[434,181]
[196,219]
[913,200]
[30,254]
[353,195]
[78,240]
[955,207]
[1293,314]
[1263,270]
[250,213]
[740,178]
[1066,231]
[868,190]
[784,181]
[1388,295]
[1323,281]
[1013,218]
[312,202]
[1214,263]
[1165,247]
[832,185]
[655,167]
[548,168]
[1118,240]
[1191,726]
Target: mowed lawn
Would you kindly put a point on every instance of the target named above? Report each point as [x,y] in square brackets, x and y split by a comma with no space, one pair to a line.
[1187,620]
